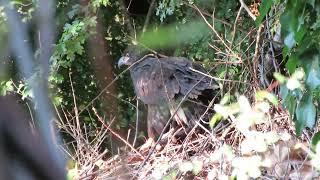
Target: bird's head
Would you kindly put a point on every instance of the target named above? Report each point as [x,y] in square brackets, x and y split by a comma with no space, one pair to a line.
[131,55]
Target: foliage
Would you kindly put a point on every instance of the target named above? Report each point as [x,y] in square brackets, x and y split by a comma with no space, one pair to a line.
[167,8]
[315,151]
[5,86]
[25,7]
[72,41]
[241,110]
[301,33]
[260,151]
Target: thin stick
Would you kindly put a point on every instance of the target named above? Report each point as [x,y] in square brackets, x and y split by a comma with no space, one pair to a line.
[146,23]
[248,10]
[255,57]
[114,133]
[235,25]
[218,79]
[137,124]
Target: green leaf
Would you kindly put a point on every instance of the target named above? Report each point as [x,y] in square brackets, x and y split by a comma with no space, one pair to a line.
[261,95]
[9,86]
[72,174]
[312,69]
[292,23]
[289,101]
[215,118]
[279,77]
[263,9]
[315,141]
[225,99]
[292,63]
[305,113]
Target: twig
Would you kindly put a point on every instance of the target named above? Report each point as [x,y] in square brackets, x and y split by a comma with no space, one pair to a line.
[271,45]
[114,133]
[126,16]
[256,57]
[234,26]
[212,28]
[146,23]
[218,79]
[248,10]
[75,103]
[209,15]
[137,124]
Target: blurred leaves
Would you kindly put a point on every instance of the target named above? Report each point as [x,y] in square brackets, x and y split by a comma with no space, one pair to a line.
[174,35]
[5,87]
[301,33]
[242,113]
[261,95]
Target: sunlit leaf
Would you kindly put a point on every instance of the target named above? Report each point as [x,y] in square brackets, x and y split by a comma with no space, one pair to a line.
[197,166]
[293,84]
[263,107]
[186,166]
[72,174]
[279,77]
[261,95]
[247,166]
[215,118]
[244,104]
[225,99]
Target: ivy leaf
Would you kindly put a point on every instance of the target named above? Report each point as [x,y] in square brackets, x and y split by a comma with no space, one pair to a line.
[290,103]
[292,21]
[263,9]
[315,141]
[305,113]
[312,69]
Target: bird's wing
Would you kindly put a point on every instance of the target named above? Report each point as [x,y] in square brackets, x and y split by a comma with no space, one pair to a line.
[188,80]
[158,115]
[153,83]
[169,78]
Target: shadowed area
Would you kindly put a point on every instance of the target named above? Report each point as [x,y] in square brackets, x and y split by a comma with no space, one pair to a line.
[23,154]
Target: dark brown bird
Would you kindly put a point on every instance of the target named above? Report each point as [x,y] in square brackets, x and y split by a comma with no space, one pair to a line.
[162,83]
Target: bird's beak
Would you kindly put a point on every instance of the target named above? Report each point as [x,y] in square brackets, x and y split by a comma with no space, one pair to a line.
[123,61]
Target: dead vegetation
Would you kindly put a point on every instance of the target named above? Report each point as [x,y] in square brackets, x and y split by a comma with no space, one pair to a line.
[274,153]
